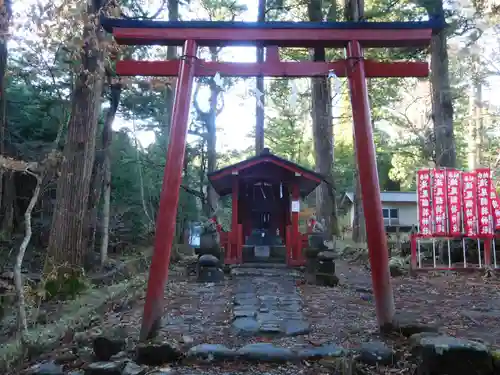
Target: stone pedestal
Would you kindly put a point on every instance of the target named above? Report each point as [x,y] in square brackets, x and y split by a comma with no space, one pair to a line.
[320,267]
[325,273]
[209,269]
[209,245]
[317,241]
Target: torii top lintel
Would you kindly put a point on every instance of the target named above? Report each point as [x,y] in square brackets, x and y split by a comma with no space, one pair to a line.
[280,34]
[273,35]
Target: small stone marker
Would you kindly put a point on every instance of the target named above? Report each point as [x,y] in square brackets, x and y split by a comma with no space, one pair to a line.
[209,269]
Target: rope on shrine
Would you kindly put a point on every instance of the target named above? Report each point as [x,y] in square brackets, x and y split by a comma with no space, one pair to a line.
[189,58]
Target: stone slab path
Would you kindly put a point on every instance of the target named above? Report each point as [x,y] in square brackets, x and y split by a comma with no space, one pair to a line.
[266,302]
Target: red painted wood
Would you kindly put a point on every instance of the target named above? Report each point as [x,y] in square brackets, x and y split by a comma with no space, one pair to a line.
[372,206]
[272,54]
[261,161]
[289,243]
[272,68]
[239,243]
[169,199]
[296,238]
[306,38]
[235,219]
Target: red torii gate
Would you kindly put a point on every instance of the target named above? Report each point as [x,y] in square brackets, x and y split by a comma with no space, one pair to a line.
[353,36]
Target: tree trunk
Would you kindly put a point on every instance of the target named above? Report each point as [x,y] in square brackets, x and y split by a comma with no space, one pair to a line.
[259,105]
[478,115]
[95,197]
[326,207]
[68,236]
[358,224]
[18,277]
[442,101]
[475,123]
[209,121]
[107,134]
[9,203]
[212,197]
[5,17]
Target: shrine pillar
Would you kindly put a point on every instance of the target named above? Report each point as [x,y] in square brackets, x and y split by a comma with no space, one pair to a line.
[234,248]
[295,235]
[169,196]
[370,189]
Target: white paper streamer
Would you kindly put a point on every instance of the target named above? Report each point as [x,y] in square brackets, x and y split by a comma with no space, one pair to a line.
[292,100]
[336,87]
[256,92]
[218,80]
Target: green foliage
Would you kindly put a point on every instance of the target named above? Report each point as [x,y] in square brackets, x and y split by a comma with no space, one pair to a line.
[286,131]
[65,286]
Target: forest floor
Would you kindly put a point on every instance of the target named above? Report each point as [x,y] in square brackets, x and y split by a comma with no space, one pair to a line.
[465,306]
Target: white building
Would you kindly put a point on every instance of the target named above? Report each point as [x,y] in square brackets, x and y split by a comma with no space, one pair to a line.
[398,208]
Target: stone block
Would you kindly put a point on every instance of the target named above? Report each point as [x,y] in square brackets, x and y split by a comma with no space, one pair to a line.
[317,352]
[104,348]
[104,368]
[246,326]
[450,355]
[211,352]
[317,241]
[327,280]
[208,261]
[376,352]
[47,368]
[266,352]
[210,275]
[157,354]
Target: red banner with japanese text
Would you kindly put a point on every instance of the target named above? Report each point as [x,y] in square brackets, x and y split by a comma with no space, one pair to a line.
[484,209]
[424,202]
[453,185]
[469,189]
[439,202]
[495,203]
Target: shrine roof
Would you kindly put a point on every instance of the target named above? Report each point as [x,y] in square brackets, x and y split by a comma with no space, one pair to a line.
[282,171]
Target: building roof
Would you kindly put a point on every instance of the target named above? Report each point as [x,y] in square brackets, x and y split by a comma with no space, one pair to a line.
[389,196]
[278,170]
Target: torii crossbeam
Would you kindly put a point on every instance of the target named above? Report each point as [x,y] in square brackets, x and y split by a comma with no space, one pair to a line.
[353,36]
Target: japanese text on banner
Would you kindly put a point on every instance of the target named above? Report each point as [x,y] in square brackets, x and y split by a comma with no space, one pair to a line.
[424,202]
[439,200]
[495,203]
[484,208]
[454,201]
[469,203]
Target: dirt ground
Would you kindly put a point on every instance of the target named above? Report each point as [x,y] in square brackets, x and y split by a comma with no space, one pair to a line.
[465,305]
[462,305]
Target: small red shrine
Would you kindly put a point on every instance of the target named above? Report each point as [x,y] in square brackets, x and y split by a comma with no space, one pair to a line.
[266,192]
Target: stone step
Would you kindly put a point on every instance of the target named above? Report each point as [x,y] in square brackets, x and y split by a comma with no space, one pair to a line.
[267,272]
[266,303]
[260,265]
